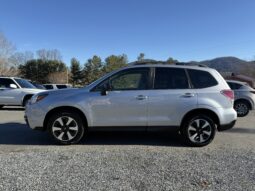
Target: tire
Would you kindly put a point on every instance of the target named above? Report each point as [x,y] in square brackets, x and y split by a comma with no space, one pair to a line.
[25,101]
[196,128]
[242,108]
[66,127]
[1,106]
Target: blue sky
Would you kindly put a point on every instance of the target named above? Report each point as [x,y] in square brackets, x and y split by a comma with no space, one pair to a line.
[183,29]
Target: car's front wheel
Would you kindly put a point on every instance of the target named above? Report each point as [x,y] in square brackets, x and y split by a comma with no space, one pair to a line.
[66,127]
[242,108]
[198,130]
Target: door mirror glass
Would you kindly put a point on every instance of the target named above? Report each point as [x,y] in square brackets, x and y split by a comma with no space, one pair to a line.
[13,86]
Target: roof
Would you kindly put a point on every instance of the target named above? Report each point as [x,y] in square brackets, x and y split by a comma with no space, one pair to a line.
[236,81]
[10,77]
[160,64]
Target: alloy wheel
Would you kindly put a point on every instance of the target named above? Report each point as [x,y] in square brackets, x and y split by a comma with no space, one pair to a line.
[241,108]
[199,131]
[65,128]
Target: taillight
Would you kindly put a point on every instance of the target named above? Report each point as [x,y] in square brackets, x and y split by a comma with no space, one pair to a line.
[228,93]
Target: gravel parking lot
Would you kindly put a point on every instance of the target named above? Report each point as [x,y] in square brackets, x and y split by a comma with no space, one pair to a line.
[29,160]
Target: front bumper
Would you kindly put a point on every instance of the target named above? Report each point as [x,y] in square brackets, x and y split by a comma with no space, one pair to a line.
[35,128]
[226,126]
[34,116]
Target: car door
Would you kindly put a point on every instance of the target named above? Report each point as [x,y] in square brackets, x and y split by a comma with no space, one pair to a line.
[125,104]
[170,98]
[8,95]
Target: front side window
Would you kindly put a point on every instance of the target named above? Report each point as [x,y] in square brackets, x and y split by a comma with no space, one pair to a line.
[170,78]
[24,83]
[136,79]
[5,82]
[201,79]
[130,79]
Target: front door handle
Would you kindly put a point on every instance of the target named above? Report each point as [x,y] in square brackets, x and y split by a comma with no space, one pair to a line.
[141,97]
[188,95]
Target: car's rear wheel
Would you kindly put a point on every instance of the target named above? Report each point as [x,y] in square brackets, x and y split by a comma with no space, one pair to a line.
[242,108]
[198,130]
[66,127]
[1,106]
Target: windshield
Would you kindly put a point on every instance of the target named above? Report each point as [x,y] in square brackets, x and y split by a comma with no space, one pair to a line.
[24,83]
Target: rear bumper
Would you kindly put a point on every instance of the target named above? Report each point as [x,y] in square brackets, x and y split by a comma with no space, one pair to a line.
[227,126]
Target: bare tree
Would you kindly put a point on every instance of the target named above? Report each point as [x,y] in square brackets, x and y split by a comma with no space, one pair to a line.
[6,50]
[20,58]
[49,54]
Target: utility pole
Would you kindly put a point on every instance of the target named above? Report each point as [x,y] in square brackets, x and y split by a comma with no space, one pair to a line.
[67,76]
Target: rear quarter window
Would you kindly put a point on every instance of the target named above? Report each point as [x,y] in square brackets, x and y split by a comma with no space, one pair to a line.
[201,79]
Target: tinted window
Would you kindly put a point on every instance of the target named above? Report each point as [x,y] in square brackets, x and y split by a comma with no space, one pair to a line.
[201,79]
[234,86]
[133,79]
[170,78]
[100,86]
[5,82]
[48,87]
[24,83]
[61,86]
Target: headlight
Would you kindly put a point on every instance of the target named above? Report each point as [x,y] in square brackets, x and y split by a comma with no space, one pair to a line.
[37,98]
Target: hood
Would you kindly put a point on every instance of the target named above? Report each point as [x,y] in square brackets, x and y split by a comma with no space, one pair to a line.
[33,90]
[65,92]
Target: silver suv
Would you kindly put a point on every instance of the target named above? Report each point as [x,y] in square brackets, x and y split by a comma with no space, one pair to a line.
[190,99]
[16,91]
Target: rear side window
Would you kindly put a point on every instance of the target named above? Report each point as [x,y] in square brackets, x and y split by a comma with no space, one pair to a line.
[201,79]
[61,86]
[234,86]
[170,78]
[48,87]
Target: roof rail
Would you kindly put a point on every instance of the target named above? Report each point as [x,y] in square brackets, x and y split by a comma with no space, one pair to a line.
[191,64]
[147,61]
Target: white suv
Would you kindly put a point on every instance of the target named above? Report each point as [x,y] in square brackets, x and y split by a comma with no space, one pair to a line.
[16,91]
[190,99]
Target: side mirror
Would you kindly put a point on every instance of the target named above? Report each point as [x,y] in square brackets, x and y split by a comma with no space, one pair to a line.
[105,89]
[13,86]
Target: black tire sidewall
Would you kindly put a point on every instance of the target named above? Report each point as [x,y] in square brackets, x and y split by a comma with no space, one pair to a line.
[25,102]
[245,103]
[184,130]
[76,117]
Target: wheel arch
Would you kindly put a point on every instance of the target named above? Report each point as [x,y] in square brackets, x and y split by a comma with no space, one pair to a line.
[64,108]
[244,100]
[27,96]
[207,112]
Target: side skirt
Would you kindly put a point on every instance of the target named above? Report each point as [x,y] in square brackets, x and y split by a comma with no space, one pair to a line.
[135,128]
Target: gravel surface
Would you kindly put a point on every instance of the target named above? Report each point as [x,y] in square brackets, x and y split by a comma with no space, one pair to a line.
[125,161]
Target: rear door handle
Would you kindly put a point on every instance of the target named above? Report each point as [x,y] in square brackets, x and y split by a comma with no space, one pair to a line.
[188,95]
[141,97]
